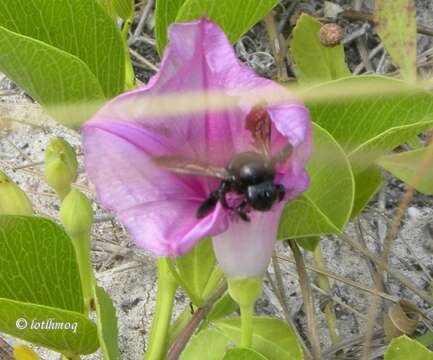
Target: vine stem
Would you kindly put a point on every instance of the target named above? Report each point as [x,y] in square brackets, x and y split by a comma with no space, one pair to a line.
[196,319]
[167,287]
[325,286]
[308,299]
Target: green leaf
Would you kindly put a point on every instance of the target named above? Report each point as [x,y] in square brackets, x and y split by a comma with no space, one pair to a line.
[41,325]
[243,354]
[106,324]
[165,14]
[195,269]
[315,62]
[358,120]
[326,206]
[39,279]
[234,16]
[223,307]
[80,28]
[371,125]
[396,25]
[410,166]
[404,348]
[367,183]
[37,263]
[61,82]
[124,8]
[309,243]
[108,6]
[209,344]
[272,338]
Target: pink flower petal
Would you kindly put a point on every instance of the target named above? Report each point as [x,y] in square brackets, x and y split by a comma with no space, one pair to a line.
[158,206]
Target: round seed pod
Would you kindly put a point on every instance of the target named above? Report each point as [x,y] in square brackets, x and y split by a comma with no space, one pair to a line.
[330,35]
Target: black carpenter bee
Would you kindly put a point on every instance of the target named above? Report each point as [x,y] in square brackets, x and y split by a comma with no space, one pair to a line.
[250,174]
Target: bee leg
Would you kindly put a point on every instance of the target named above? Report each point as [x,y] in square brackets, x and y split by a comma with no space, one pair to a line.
[241,210]
[281,192]
[208,205]
[224,188]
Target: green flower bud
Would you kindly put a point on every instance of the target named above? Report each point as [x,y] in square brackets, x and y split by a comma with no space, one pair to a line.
[76,214]
[13,201]
[60,166]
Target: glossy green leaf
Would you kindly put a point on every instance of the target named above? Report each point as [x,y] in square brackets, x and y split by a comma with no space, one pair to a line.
[370,126]
[80,28]
[124,8]
[314,62]
[389,108]
[37,263]
[367,183]
[243,354]
[326,206]
[235,17]
[413,167]
[108,6]
[62,83]
[396,26]
[223,307]
[309,243]
[42,325]
[272,338]
[106,322]
[209,344]
[165,14]
[404,348]
[39,280]
[195,269]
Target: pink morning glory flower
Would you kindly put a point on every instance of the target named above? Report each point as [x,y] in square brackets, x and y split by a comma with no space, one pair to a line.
[124,142]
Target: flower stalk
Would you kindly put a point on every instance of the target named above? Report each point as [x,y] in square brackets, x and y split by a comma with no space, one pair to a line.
[245,291]
[325,286]
[167,286]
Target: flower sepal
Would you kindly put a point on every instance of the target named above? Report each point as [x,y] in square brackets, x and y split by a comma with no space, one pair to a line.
[245,291]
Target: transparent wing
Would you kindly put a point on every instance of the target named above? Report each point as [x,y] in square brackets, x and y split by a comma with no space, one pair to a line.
[187,166]
[258,123]
[282,155]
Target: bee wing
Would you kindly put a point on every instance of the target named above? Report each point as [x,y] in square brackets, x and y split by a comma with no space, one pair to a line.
[258,123]
[186,166]
[282,155]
